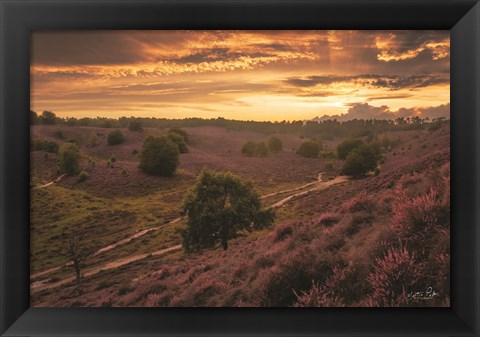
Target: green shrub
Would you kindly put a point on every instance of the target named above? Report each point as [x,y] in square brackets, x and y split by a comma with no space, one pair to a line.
[179,140]
[159,156]
[181,132]
[275,145]
[69,159]
[309,149]
[83,176]
[347,146]
[362,160]
[115,137]
[253,149]
[135,126]
[329,165]
[44,145]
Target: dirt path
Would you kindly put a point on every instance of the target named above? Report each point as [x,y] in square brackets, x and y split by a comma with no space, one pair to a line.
[107,248]
[42,285]
[52,182]
[319,185]
[319,179]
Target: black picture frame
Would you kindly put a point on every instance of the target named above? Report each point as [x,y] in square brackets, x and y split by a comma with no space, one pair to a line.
[20,17]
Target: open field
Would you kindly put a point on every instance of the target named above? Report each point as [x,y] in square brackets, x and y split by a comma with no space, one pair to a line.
[328,233]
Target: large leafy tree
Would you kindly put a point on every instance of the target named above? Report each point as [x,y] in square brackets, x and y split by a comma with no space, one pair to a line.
[159,156]
[218,206]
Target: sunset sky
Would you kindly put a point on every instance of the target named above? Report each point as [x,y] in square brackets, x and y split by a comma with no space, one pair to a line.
[245,75]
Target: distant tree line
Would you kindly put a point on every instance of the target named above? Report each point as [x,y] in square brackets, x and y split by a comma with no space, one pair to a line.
[327,129]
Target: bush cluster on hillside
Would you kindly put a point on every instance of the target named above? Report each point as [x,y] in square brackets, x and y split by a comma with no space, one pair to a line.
[44,145]
[180,132]
[362,159]
[179,140]
[115,137]
[275,145]
[69,158]
[309,149]
[255,149]
[159,156]
[347,146]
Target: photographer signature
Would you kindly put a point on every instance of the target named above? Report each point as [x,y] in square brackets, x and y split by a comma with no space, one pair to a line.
[428,294]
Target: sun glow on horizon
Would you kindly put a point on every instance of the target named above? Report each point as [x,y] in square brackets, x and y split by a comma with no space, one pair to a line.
[247,75]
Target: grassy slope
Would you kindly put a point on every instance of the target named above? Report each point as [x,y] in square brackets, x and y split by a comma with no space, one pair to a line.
[259,269]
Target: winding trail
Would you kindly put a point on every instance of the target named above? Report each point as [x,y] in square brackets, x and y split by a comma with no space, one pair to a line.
[107,248]
[52,182]
[43,284]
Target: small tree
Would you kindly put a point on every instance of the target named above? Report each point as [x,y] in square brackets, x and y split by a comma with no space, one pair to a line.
[362,160]
[69,158]
[181,132]
[219,205]
[275,145]
[159,156]
[347,146]
[309,149]
[75,250]
[135,126]
[179,140]
[115,137]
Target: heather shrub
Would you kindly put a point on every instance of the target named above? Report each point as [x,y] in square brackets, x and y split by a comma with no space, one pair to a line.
[295,270]
[416,217]
[341,288]
[115,137]
[360,203]
[328,219]
[282,232]
[394,275]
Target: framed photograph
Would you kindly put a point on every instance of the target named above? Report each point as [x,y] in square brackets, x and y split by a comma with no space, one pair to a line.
[240,168]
